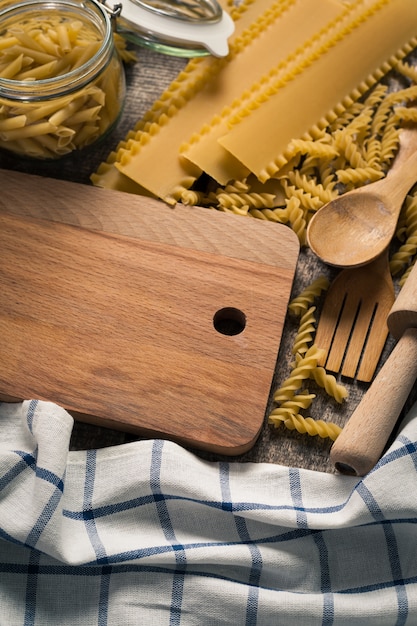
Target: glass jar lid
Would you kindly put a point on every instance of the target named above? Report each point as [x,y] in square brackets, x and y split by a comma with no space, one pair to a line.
[183,28]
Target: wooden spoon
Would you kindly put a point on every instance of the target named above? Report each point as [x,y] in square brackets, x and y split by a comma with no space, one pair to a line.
[357,227]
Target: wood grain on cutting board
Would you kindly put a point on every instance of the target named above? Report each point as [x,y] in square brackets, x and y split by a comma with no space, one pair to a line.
[110,302]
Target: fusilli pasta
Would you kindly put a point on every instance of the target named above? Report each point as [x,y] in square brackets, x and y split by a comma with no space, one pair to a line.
[329,384]
[299,305]
[305,332]
[295,421]
[299,374]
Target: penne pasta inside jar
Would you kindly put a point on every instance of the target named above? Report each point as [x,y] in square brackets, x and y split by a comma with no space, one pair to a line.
[62,83]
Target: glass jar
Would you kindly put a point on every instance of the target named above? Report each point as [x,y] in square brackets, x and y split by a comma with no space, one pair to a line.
[62,83]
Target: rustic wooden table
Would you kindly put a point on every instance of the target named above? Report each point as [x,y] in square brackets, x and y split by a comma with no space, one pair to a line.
[145,82]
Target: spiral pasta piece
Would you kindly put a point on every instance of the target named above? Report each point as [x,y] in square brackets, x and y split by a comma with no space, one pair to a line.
[307,201]
[376,96]
[358,176]
[406,114]
[381,116]
[310,186]
[238,186]
[305,332]
[401,228]
[329,383]
[327,176]
[411,212]
[273,215]
[307,425]
[410,71]
[348,147]
[404,255]
[347,115]
[237,210]
[308,168]
[360,124]
[390,142]
[318,148]
[301,303]
[373,148]
[296,218]
[402,96]
[406,274]
[228,199]
[401,259]
[299,374]
[296,403]
[193,198]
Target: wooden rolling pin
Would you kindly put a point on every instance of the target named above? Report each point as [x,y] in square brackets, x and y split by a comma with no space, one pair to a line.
[362,441]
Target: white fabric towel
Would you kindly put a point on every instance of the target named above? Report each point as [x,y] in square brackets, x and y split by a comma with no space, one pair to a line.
[147,533]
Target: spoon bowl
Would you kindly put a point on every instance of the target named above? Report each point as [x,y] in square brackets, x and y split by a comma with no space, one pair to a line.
[355,228]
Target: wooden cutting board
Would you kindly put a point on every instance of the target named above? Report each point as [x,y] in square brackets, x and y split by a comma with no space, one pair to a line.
[165,322]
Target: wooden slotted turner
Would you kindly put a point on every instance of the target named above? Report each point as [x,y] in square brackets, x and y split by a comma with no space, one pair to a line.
[353,327]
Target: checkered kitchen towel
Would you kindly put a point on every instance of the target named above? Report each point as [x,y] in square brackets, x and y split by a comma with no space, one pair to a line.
[147,533]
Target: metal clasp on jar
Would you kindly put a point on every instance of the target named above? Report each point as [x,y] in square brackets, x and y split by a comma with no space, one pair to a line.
[182,27]
[114,12]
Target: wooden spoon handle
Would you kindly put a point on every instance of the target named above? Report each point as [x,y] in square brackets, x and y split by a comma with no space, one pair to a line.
[363,439]
[401,177]
[408,147]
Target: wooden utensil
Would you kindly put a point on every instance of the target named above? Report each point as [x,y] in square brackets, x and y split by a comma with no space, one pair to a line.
[363,439]
[357,227]
[169,328]
[351,231]
[352,328]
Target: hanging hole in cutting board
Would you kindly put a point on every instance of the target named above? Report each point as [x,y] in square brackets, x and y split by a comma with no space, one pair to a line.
[229,321]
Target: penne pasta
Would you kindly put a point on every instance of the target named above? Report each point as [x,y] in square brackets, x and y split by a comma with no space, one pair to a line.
[87,135]
[8,42]
[10,123]
[48,46]
[63,113]
[55,145]
[85,115]
[86,54]
[64,134]
[32,130]
[44,110]
[38,73]
[67,61]
[74,29]
[37,55]
[32,148]
[99,95]
[10,70]
[63,38]
[49,142]
[26,39]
